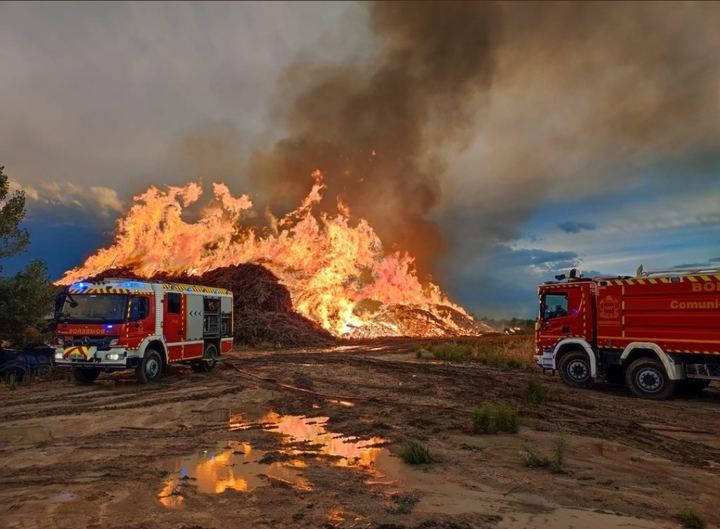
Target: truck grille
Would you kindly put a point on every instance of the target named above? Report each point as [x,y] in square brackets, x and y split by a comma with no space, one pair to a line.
[101,342]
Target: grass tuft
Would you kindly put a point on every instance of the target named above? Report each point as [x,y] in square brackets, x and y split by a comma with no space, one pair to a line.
[535,392]
[689,519]
[452,352]
[556,464]
[495,418]
[515,352]
[404,503]
[413,453]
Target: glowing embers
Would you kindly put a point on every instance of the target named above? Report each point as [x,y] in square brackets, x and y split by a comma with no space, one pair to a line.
[235,466]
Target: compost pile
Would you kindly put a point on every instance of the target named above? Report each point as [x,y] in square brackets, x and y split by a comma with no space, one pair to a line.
[263,307]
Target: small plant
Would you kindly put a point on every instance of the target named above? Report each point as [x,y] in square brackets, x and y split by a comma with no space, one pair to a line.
[535,392]
[689,519]
[534,460]
[413,453]
[559,451]
[494,418]
[404,503]
[556,465]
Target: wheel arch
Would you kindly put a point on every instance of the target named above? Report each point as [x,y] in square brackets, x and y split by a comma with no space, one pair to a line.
[636,350]
[159,346]
[575,344]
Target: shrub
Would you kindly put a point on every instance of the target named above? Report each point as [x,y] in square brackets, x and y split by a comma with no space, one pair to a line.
[494,418]
[689,519]
[535,392]
[413,453]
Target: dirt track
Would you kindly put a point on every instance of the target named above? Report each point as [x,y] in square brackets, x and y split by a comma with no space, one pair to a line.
[230,450]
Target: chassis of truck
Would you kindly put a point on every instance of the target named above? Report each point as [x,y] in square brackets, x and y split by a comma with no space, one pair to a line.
[658,332]
[116,324]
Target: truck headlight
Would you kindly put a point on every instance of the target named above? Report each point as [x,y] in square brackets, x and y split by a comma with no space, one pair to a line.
[114,341]
[112,357]
[58,356]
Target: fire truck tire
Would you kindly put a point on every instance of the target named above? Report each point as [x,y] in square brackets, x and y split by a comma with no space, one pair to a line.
[209,360]
[151,367]
[575,369]
[85,375]
[646,377]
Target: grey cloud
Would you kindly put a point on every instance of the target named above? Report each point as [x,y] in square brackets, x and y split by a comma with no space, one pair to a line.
[105,94]
[536,258]
[576,227]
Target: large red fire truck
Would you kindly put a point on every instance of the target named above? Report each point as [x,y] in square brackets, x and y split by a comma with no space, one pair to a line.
[658,331]
[116,324]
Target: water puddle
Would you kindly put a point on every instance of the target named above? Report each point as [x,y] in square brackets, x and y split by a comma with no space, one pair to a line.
[303,435]
[63,497]
[234,465]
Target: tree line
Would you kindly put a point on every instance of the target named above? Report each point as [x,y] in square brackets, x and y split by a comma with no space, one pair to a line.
[26,298]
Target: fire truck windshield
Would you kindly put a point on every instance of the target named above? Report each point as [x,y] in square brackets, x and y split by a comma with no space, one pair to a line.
[92,308]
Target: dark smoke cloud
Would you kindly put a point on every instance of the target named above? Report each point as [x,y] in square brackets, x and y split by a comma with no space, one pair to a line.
[433,60]
[587,97]
[480,113]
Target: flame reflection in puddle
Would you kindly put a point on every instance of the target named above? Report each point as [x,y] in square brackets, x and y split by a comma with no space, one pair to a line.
[309,435]
[235,466]
[239,467]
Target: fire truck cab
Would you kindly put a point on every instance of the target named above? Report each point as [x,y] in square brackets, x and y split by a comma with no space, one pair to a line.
[657,332]
[116,324]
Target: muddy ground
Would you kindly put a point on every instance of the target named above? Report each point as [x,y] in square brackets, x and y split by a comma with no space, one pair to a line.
[310,438]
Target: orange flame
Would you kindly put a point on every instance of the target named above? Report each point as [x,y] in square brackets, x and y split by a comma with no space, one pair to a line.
[336,270]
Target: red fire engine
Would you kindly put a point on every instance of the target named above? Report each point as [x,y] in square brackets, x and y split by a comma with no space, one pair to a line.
[119,324]
[658,332]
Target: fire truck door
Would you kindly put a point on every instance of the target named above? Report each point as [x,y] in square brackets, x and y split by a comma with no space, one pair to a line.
[562,314]
[173,324]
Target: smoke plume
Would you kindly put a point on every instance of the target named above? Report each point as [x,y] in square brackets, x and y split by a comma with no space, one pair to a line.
[468,116]
[366,126]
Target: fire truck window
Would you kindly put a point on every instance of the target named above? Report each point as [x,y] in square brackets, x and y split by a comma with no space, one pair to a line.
[555,306]
[173,301]
[138,308]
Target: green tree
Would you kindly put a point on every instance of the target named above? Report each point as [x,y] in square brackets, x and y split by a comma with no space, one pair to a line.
[25,303]
[13,239]
[26,298]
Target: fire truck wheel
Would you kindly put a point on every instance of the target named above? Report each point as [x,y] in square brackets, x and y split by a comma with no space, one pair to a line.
[151,367]
[209,360]
[575,369]
[647,379]
[85,375]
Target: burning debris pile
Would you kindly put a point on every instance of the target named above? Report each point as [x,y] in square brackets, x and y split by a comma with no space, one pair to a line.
[335,270]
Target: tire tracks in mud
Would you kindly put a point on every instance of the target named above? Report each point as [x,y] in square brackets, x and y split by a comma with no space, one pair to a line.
[98,400]
[600,412]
